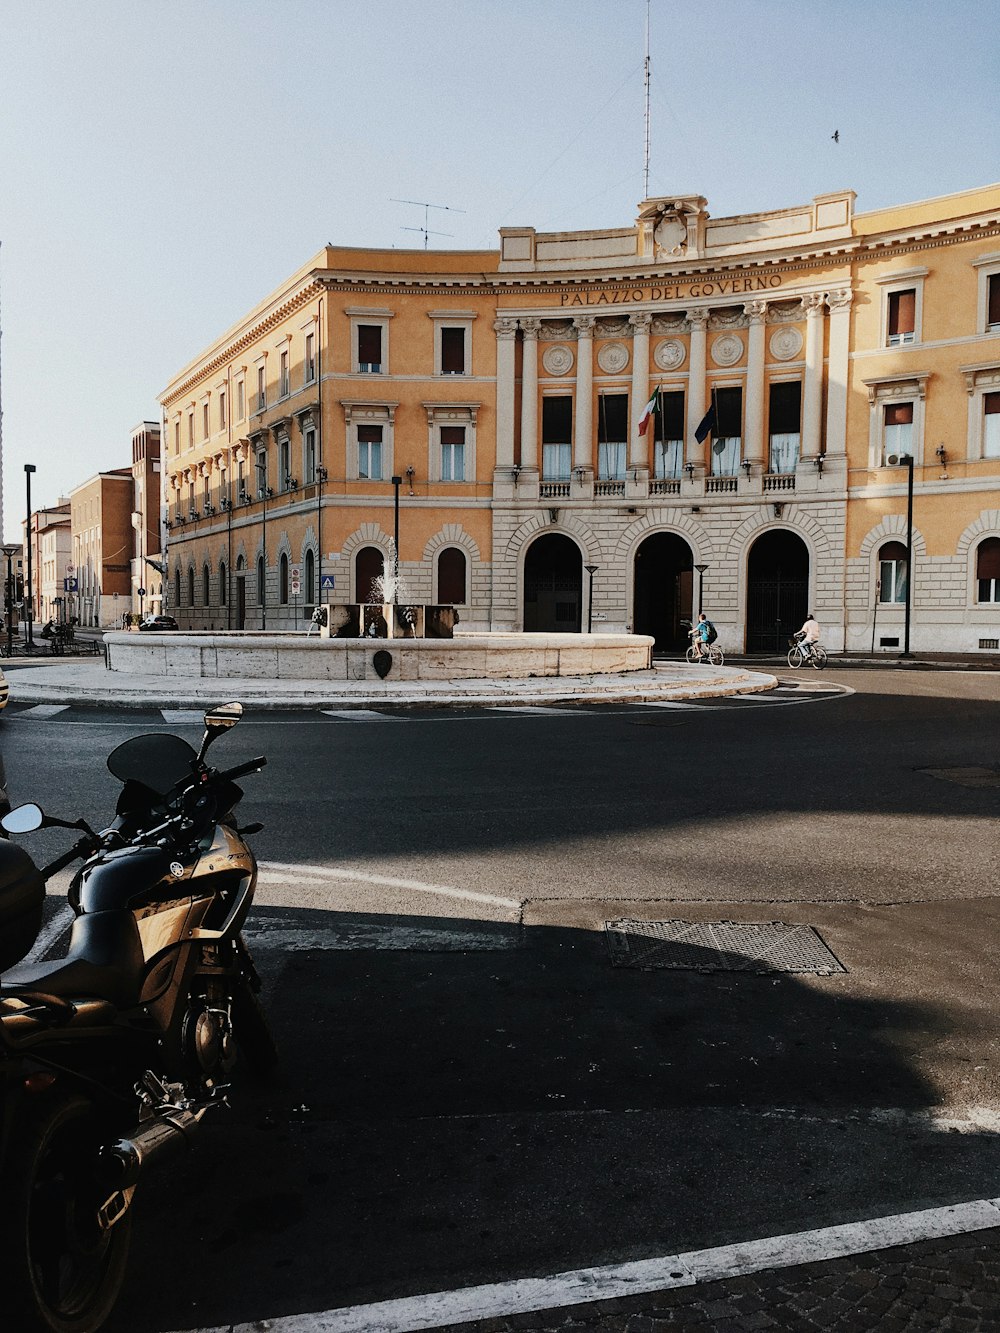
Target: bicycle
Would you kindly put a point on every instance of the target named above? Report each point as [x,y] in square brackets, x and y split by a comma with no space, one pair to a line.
[816,657]
[711,652]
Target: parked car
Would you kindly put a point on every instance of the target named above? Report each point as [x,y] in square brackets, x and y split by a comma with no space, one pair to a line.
[159,622]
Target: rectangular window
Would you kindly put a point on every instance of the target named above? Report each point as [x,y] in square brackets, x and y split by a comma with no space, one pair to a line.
[892,580]
[204,420]
[284,471]
[452,351]
[988,570]
[668,440]
[241,402]
[309,457]
[991,425]
[310,358]
[452,453]
[727,442]
[612,435]
[898,429]
[177,437]
[222,409]
[993,301]
[283,381]
[370,349]
[557,437]
[370,453]
[260,466]
[902,317]
[784,426]
[190,430]
[261,389]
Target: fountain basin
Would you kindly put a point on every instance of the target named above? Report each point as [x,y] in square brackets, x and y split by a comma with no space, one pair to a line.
[470,655]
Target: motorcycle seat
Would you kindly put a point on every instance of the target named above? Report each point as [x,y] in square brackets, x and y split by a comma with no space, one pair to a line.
[105,961]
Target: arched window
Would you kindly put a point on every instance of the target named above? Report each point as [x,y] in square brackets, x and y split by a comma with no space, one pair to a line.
[191,585]
[177,587]
[223,584]
[310,579]
[892,573]
[988,570]
[283,579]
[206,586]
[451,576]
[261,575]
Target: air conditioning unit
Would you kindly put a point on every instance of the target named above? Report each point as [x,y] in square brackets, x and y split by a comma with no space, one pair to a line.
[896,460]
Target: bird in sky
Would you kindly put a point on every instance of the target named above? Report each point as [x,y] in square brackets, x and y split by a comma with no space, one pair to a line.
[835,136]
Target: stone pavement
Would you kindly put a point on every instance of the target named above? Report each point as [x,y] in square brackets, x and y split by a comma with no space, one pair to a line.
[86,681]
[932,1286]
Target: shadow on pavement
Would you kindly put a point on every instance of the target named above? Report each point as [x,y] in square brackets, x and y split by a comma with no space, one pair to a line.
[448,1118]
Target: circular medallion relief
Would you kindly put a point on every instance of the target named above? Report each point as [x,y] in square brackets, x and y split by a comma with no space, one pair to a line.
[786,343]
[727,350]
[557,359]
[612,358]
[669,354]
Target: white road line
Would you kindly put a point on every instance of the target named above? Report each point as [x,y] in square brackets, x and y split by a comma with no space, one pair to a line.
[41,711]
[500,1300]
[360,715]
[178,716]
[569,711]
[280,871]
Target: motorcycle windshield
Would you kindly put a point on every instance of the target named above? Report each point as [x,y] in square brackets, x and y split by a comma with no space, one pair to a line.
[159,761]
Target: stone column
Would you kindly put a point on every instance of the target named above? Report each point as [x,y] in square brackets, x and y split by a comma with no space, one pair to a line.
[583,426]
[839,303]
[529,394]
[505,330]
[754,450]
[698,319]
[638,445]
[812,395]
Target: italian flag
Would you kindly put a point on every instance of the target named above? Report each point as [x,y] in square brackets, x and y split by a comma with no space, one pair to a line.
[652,406]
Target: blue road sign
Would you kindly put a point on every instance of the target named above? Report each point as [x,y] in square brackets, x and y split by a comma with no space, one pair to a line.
[69,585]
[327,581]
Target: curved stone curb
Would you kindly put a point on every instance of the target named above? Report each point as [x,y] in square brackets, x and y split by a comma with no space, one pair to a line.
[97,688]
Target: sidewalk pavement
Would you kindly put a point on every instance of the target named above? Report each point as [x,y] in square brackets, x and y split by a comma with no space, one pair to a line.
[88,682]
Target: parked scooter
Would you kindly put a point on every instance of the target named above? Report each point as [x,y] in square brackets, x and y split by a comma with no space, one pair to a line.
[111,1057]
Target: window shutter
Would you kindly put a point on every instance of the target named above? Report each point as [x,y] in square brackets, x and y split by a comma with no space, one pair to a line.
[892,551]
[785,413]
[899,414]
[370,344]
[612,418]
[902,312]
[988,559]
[993,300]
[991,403]
[453,351]
[369,434]
[557,420]
[452,434]
[451,576]
[670,422]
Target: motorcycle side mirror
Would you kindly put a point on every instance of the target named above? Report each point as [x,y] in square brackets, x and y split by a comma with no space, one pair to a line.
[217,720]
[24,819]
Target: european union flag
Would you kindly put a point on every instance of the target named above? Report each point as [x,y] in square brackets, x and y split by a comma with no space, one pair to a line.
[706,426]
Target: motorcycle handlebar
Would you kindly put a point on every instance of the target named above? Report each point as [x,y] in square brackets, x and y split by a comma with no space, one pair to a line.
[67,858]
[251,766]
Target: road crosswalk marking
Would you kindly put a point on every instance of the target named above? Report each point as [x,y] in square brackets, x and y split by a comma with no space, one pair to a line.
[178,716]
[41,711]
[359,715]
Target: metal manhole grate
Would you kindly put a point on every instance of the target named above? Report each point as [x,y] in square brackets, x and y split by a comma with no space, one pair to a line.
[720,946]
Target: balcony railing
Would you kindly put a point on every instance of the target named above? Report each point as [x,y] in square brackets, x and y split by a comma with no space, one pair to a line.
[779,481]
[609,489]
[665,486]
[720,485]
[553,490]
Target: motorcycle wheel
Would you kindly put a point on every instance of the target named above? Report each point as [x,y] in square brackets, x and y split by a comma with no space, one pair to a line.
[62,1272]
[253,1035]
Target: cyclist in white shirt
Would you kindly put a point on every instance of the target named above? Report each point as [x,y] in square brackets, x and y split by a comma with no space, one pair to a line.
[808,635]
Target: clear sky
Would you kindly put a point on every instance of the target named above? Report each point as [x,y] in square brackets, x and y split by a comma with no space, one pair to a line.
[164,164]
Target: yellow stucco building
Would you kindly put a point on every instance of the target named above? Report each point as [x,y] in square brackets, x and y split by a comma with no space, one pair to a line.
[803,358]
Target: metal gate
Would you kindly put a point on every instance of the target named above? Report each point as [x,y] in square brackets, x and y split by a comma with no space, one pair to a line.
[552,603]
[776,608]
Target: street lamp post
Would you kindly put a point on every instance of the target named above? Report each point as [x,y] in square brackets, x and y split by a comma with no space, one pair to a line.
[396,483]
[591,570]
[29,468]
[10,552]
[906,460]
[701,586]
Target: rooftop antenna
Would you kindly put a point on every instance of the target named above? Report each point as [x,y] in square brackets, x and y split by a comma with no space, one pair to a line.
[646,81]
[424,230]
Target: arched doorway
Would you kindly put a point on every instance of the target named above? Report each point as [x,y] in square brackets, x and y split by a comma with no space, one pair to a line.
[664,572]
[777,590]
[553,582]
[369,566]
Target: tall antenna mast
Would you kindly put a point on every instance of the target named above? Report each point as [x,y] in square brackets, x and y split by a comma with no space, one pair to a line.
[645,194]
[424,230]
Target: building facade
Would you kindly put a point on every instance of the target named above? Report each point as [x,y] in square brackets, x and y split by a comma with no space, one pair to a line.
[101,529]
[51,548]
[146,563]
[808,364]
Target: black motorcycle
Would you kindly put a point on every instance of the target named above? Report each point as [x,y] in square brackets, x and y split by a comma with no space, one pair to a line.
[111,1057]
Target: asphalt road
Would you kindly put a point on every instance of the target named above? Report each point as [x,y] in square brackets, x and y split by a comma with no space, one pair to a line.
[472,1091]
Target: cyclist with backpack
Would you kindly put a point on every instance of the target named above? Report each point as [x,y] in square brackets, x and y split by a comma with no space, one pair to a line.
[702,635]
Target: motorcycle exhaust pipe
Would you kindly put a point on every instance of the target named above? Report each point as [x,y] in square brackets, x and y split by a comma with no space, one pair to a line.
[123,1162]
